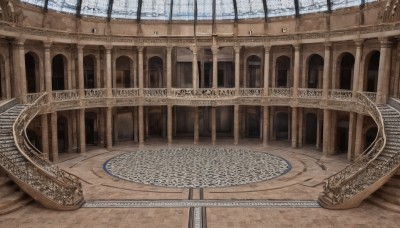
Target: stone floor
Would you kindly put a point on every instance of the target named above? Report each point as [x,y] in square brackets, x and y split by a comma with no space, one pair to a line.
[172,207]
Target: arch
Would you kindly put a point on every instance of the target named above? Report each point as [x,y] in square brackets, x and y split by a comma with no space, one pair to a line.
[282,71]
[32,72]
[282,125]
[315,65]
[254,79]
[155,72]
[123,72]
[346,71]
[371,72]
[62,134]
[59,70]
[311,123]
[89,71]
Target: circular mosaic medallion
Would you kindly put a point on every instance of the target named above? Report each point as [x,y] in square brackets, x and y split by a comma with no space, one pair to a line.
[196,167]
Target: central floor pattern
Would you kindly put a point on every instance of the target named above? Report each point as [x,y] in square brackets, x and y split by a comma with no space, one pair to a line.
[196,167]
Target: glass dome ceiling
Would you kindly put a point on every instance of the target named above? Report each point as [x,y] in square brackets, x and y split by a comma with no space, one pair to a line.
[186,10]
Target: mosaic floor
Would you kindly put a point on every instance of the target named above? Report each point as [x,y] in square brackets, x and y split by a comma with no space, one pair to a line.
[197,167]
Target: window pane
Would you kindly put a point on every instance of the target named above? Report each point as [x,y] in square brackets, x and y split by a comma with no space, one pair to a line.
[224,9]
[155,9]
[68,6]
[94,8]
[277,8]
[204,9]
[312,6]
[250,9]
[34,2]
[125,9]
[183,10]
[339,4]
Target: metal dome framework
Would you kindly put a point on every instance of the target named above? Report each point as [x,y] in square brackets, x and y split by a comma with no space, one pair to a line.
[188,10]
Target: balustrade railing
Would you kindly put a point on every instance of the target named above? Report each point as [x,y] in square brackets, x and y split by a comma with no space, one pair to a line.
[95,93]
[370,95]
[32,97]
[280,92]
[125,93]
[65,95]
[155,92]
[251,92]
[337,94]
[310,93]
[204,93]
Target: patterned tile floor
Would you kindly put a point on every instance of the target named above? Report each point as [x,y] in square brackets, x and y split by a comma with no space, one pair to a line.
[258,204]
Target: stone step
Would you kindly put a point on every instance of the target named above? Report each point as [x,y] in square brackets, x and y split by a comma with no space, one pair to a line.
[11,199]
[393,182]
[8,189]
[384,204]
[16,206]
[393,191]
[4,180]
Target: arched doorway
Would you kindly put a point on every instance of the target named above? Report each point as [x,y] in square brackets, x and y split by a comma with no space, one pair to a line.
[89,71]
[156,75]
[62,134]
[91,128]
[315,71]
[58,70]
[31,72]
[254,72]
[311,121]
[346,71]
[253,114]
[282,126]
[282,71]
[371,82]
[123,72]
[370,136]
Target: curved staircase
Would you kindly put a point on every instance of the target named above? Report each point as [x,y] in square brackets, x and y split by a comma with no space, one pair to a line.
[11,197]
[349,187]
[28,168]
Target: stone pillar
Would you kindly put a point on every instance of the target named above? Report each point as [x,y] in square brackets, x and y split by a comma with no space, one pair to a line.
[237,69]
[214,50]
[21,82]
[357,86]
[296,69]
[300,127]
[236,124]
[358,138]
[109,135]
[54,137]
[141,126]
[101,126]
[196,125]
[294,127]
[326,134]
[45,136]
[384,71]
[352,134]
[108,79]
[81,79]
[397,72]
[82,131]
[141,82]
[47,70]
[135,125]
[169,124]
[327,70]
[169,71]
[332,127]
[318,144]
[265,125]
[266,72]
[213,125]
[195,74]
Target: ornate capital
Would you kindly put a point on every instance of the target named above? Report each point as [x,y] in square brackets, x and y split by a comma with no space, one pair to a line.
[140,50]
[267,48]
[385,42]
[47,45]
[80,47]
[297,46]
[169,49]
[359,43]
[20,42]
[214,50]
[237,48]
[108,47]
[194,49]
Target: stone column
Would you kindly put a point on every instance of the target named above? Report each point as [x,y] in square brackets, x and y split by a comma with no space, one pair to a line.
[318,143]
[237,69]
[236,124]
[357,64]
[101,127]
[141,126]
[352,134]
[169,124]
[169,71]
[358,138]
[135,125]
[81,79]
[108,79]
[265,125]
[195,74]
[21,82]
[296,69]
[326,134]
[214,50]
[300,127]
[384,71]
[47,70]
[327,70]
[109,135]
[332,131]
[294,127]
[141,82]
[54,137]
[45,136]
[266,71]
[213,125]
[397,72]
[196,125]
[82,131]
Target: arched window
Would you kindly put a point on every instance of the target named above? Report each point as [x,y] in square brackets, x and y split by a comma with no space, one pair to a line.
[123,70]
[311,128]
[315,71]
[58,70]
[254,72]
[155,75]
[282,72]
[371,82]
[31,72]
[346,71]
[282,126]
[62,134]
[89,72]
